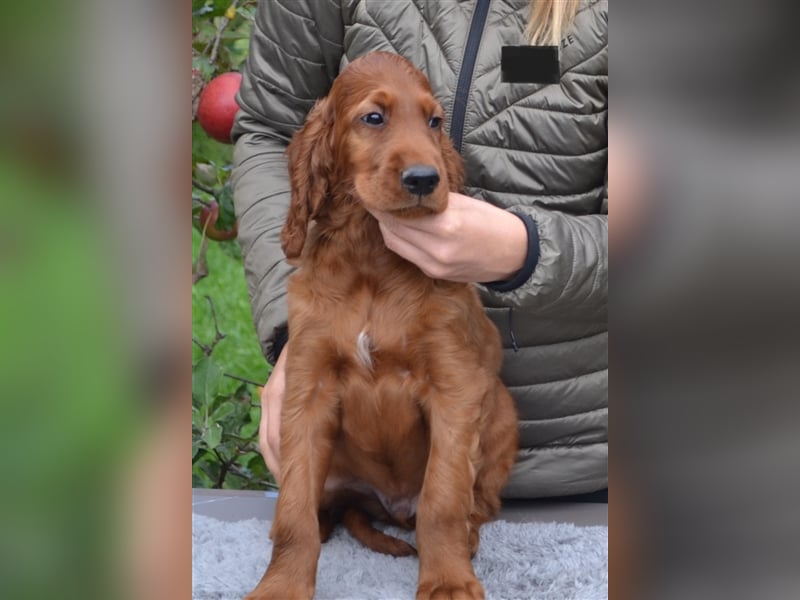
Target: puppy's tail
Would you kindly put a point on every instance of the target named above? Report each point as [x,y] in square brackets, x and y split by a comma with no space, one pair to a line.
[360,527]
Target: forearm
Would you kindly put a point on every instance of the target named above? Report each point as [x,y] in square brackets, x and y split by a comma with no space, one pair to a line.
[294,56]
[261,200]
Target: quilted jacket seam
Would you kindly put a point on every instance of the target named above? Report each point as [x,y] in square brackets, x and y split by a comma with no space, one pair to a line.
[584,61]
[284,52]
[596,279]
[280,298]
[272,88]
[532,449]
[262,199]
[573,266]
[576,74]
[552,381]
[527,194]
[566,113]
[254,241]
[433,35]
[564,342]
[517,104]
[374,24]
[540,152]
[581,413]
[294,14]
[266,274]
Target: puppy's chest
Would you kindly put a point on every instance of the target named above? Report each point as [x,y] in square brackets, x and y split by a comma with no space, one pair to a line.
[381,334]
[383,435]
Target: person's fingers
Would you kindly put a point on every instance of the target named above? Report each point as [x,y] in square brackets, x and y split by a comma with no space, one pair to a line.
[265,445]
[420,231]
[401,245]
[274,433]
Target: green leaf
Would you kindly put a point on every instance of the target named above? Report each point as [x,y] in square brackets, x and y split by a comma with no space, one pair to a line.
[248,12]
[195,450]
[227,215]
[200,478]
[205,66]
[203,33]
[236,49]
[212,436]
[207,174]
[259,471]
[249,430]
[226,408]
[197,417]
[206,379]
[209,8]
[206,149]
[244,459]
[227,450]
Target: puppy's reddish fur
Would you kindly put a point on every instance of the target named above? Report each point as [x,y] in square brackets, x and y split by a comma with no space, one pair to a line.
[394,409]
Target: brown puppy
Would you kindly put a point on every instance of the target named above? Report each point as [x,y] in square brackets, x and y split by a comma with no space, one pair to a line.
[394,410]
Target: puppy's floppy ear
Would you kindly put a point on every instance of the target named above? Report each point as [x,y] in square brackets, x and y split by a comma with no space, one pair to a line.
[452,164]
[310,166]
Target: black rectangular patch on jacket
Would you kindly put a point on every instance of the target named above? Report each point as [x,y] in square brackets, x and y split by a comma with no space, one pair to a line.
[530,64]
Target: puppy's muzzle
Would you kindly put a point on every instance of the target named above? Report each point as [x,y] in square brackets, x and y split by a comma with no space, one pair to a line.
[420,180]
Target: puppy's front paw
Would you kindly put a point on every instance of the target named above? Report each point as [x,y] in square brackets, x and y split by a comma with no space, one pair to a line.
[280,588]
[468,589]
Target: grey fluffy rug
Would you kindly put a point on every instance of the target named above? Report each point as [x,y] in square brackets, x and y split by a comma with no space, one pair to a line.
[552,561]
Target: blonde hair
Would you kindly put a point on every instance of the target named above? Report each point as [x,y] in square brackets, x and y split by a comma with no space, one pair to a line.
[550,20]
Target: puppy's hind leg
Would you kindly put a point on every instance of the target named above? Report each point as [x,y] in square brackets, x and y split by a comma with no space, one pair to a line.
[360,527]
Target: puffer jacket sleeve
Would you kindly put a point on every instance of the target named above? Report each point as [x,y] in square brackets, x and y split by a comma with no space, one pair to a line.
[295,50]
[571,272]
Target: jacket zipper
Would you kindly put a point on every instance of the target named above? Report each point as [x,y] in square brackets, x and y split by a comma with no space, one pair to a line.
[467,68]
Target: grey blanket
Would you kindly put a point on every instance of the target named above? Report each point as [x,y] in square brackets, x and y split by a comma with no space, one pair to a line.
[551,561]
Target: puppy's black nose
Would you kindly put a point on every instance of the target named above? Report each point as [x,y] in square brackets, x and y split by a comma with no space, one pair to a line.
[420,180]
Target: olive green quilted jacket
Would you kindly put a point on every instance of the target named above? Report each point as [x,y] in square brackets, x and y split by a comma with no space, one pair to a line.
[538,149]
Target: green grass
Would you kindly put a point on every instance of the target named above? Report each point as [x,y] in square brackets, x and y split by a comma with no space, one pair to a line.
[239,353]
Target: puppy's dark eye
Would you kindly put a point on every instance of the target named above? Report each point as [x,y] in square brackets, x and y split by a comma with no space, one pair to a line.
[373,119]
[435,122]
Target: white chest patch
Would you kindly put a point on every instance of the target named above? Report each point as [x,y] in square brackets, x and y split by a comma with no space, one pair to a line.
[364,349]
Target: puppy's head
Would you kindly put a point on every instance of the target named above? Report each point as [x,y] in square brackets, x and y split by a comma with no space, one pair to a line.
[379,138]
[390,131]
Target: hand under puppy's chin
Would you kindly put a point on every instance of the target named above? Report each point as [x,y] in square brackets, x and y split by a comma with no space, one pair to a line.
[408,206]
[414,212]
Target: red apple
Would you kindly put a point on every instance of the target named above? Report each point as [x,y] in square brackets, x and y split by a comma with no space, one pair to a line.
[217,106]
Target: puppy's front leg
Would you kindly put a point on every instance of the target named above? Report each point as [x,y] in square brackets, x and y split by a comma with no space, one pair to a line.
[445,569]
[309,424]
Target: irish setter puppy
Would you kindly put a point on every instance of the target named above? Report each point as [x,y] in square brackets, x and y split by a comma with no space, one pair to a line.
[394,410]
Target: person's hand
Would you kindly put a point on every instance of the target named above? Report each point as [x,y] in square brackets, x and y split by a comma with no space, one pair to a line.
[269,430]
[470,241]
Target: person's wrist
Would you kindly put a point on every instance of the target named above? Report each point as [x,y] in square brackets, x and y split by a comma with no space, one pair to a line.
[530,256]
[513,247]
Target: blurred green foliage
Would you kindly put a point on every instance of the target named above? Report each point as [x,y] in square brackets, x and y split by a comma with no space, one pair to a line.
[227,364]
[225,410]
[68,412]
